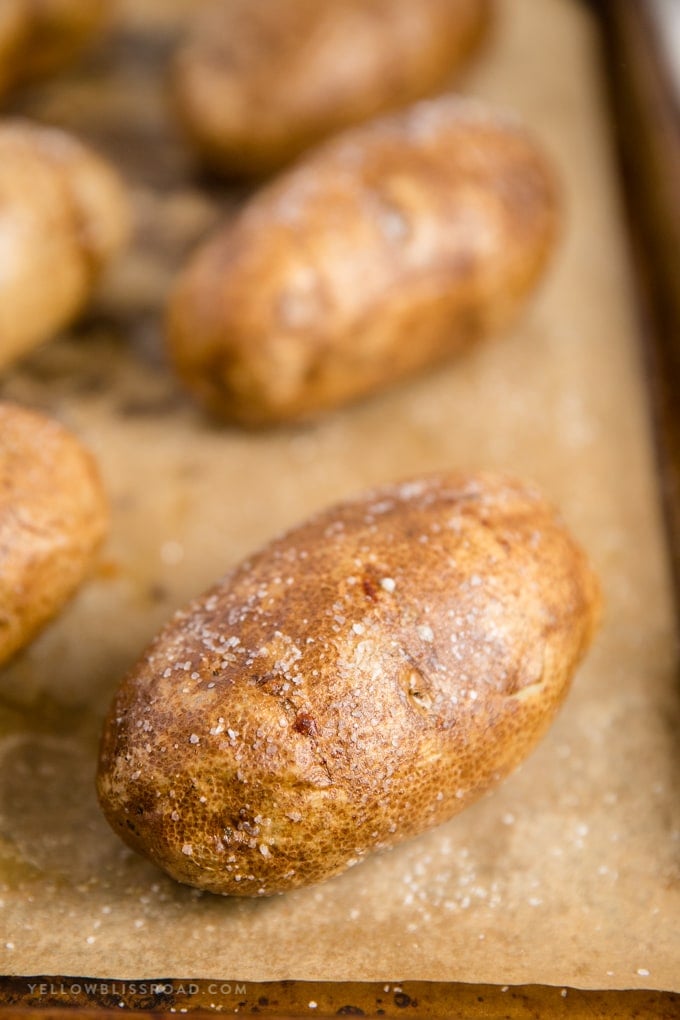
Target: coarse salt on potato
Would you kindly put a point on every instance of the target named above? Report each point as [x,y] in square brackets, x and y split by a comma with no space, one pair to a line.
[357,681]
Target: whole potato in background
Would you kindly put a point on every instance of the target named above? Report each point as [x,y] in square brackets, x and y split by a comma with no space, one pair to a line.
[57,31]
[380,253]
[359,680]
[53,518]
[259,82]
[13,23]
[37,37]
[63,217]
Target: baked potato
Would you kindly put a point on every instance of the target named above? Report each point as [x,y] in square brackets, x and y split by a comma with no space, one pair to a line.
[359,680]
[257,83]
[63,217]
[12,30]
[53,518]
[382,252]
[37,37]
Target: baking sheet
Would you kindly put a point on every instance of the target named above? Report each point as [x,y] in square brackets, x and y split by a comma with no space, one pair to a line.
[569,874]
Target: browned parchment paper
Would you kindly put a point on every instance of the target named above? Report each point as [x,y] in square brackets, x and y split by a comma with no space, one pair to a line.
[569,874]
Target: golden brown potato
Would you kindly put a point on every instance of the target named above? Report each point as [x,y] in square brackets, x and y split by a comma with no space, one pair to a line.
[13,23]
[381,253]
[259,82]
[38,37]
[359,680]
[53,517]
[63,216]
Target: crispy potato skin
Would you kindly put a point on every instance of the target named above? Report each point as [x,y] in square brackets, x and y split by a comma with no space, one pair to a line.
[53,517]
[38,37]
[359,680]
[257,83]
[63,217]
[382,253]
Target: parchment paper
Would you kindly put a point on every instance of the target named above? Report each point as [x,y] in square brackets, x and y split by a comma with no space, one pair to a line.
[569,874]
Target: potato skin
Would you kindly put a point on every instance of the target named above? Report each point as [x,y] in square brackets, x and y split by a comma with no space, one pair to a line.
[63,217]
[38,37]
[359,680]
[53,518]
[386,251]
[13,26]
[257,83]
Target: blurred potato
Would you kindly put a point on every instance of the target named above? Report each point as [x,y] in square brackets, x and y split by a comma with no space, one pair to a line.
[53,517]
[63,217]
[389,248]
[259,82]
[37,37]
[12,35]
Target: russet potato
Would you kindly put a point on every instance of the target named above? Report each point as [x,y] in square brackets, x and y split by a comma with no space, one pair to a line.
[53,518]
[359,680]
[256,83]
[64,215]
[383,252]
[12,34]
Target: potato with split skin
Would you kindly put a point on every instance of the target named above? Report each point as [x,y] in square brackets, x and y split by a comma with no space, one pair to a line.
[64,216]
[361,679]
[53,518]
[257,83]
[384,252]
[38,37]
